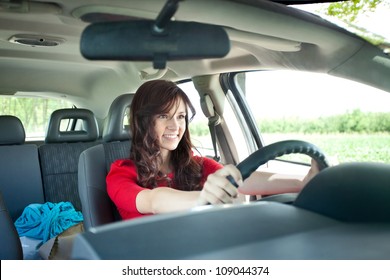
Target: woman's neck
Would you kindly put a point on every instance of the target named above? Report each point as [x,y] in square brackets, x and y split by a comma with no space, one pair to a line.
[166,166]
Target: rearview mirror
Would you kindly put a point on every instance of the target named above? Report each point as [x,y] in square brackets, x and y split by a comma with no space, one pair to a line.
[140,41]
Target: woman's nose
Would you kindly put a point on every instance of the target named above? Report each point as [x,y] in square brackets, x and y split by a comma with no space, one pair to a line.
[173,124]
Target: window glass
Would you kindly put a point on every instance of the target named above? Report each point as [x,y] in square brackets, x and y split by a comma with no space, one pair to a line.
[33,112]
[235,120]
[348,121]
[199,129]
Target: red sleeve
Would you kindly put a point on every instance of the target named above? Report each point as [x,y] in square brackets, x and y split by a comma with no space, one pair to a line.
[123,189]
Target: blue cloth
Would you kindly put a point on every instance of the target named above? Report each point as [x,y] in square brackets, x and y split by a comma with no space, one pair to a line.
[45,221]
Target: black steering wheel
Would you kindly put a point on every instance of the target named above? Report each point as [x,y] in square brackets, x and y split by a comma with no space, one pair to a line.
[277,149]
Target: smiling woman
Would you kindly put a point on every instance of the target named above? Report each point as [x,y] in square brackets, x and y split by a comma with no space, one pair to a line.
[170,128]
[165,176]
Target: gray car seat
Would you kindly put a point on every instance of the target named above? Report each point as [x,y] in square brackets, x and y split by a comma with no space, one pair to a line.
[60,154]
[95,162]
[20,173]
[10,245]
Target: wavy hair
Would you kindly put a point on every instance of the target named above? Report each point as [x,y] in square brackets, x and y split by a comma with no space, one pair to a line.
[153,98]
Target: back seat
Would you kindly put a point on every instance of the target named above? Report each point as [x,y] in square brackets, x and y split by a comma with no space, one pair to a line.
[34,175]
[20,174]
[59,155]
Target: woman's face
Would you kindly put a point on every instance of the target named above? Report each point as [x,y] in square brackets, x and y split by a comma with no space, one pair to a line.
[170,127]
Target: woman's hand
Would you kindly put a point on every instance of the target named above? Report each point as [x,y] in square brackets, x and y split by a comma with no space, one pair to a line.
[312,172]
[314,169]
[218,189]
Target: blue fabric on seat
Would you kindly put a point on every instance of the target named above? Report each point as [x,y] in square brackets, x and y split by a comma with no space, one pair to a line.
[45,221]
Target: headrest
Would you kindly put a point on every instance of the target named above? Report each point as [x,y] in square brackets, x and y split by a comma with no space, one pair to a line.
[350,192]
[114,128]
[11,131]
[89,130]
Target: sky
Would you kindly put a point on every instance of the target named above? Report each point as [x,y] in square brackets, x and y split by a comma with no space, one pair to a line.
[379,21]
[312,95]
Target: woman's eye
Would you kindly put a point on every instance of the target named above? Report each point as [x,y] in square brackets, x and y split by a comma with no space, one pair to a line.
[163,116]
[182,117]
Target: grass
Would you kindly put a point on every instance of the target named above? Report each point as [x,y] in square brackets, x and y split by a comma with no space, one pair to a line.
[343,147]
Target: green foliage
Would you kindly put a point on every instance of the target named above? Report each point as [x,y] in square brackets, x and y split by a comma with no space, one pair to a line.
[350,122]
[353,136]
[199,128]
[33,112]
[349,10]
[341,147]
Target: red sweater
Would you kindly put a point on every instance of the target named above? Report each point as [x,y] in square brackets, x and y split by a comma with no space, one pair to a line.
[122,186]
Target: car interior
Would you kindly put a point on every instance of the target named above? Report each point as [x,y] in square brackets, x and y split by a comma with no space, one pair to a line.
[96,54]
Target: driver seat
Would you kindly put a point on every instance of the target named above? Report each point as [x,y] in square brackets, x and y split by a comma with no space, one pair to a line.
[95,163]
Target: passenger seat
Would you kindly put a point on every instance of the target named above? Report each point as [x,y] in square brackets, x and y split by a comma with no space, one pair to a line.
[20,173]
[60,154]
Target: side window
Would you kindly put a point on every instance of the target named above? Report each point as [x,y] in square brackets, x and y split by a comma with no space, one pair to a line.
[34,113]
[200,133]
[348,121]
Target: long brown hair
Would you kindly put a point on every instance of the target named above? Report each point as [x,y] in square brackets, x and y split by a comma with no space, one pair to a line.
[153,98]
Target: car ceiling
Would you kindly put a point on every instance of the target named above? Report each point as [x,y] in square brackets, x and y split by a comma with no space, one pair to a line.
[294,40]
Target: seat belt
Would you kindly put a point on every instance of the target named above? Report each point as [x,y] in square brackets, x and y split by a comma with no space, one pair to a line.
[214,120]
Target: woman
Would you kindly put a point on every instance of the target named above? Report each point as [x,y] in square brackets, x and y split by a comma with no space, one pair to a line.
[162,174]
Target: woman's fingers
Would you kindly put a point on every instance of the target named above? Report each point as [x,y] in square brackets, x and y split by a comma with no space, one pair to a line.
[218,189]
[232,171]
[216,196]
[220,185]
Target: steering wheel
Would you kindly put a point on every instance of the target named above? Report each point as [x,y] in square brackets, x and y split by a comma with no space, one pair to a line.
[277,149]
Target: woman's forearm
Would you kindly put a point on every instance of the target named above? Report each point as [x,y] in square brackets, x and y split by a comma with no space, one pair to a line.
[265,183]
[165,200]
